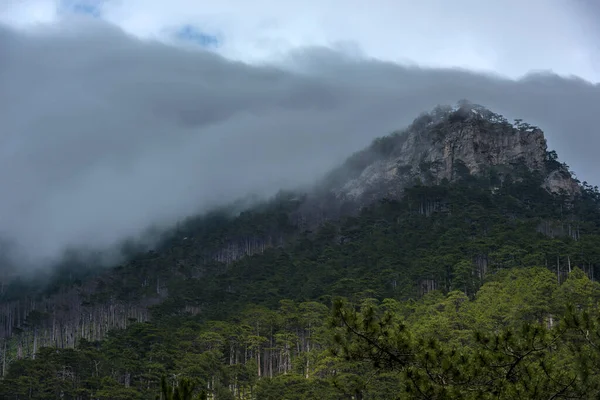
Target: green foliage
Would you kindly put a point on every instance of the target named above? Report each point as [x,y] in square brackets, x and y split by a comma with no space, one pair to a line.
[184,390]
[518,359]
[473,290]
[516,338]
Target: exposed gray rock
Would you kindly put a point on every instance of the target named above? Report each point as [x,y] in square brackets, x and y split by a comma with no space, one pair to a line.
[561,181]
[447,144]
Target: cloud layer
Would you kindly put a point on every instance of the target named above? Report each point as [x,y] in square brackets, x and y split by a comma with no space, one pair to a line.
[510,37]
[103,134]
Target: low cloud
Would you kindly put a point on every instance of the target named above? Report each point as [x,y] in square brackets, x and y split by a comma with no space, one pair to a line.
[507,36]
[104,135]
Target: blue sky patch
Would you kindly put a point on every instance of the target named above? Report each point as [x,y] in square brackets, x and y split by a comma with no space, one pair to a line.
[93,8]
[192,34]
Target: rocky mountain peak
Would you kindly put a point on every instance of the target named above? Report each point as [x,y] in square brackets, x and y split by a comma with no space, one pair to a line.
[449,143]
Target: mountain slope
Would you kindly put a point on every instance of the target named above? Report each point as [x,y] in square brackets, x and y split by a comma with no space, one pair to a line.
[444,146]
[481,196]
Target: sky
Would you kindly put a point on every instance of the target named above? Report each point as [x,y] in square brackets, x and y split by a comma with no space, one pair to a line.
[511,37]
[117,115]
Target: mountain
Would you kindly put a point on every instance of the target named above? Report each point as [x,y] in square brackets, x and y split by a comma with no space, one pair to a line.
[447,144]
[444,145]
[440,212]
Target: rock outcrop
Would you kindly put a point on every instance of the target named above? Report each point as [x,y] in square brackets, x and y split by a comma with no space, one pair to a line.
[448,143]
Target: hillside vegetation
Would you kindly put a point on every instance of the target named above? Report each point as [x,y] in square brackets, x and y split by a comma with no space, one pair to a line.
[480,287]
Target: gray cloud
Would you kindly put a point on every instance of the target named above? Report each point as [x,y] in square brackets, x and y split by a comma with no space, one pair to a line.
[102,134]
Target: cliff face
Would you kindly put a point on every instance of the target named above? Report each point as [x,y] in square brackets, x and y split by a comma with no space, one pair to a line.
[447,144]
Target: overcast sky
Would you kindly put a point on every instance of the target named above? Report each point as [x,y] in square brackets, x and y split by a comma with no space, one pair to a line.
[118,115]
[508,36]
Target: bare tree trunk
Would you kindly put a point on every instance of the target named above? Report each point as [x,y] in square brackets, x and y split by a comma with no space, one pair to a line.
[271,355]
[258,361]
[35,339]
[4,359]
[19,350]
[308,352]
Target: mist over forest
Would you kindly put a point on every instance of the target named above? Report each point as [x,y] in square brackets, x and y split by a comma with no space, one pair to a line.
[105,135]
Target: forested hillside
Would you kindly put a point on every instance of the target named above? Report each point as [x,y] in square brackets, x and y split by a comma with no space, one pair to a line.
[480,286]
